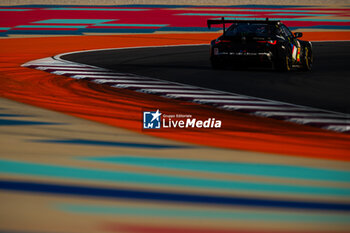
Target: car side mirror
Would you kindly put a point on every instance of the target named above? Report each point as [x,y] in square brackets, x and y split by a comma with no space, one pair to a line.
[298,34]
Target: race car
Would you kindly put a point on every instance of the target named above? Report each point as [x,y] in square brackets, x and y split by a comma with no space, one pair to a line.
[259,42]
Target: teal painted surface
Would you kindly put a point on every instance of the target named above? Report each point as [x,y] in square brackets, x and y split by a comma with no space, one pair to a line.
[93,9]
[214,14]
[308,15]
[251,169]
[5,28]
[75,21]
[15,10]
[50,26]
[132,25]
[204,214]
[47,171]
[273,10]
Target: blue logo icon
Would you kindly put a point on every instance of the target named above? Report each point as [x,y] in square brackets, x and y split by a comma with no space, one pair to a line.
[151,120]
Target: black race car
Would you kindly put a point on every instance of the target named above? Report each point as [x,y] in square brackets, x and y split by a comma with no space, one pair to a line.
[248,42]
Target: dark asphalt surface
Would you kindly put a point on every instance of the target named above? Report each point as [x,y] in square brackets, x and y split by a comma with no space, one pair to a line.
[327,86]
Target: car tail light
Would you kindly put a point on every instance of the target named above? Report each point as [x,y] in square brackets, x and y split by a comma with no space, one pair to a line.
[222,41]
[273,42]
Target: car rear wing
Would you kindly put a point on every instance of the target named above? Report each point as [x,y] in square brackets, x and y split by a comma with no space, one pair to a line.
[223,21]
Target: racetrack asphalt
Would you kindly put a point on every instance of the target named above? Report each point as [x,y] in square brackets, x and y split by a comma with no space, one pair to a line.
[327,86]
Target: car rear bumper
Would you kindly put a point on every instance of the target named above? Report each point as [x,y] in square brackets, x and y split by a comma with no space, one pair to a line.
[254,58]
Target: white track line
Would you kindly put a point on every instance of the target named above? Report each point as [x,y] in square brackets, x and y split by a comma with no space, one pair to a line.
[296,114]
[339,128]
[49,61]
[258,107]
[320,120]
[67,68]
[175,91]
[235,102]
[206,96]
[166,85]
[61,72]
[116,75]
[125,81]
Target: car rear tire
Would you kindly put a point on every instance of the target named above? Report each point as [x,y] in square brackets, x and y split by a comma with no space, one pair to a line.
[307,59]
[284,62]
